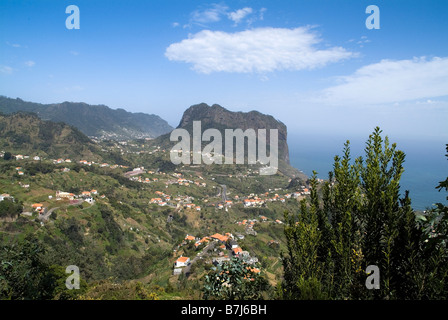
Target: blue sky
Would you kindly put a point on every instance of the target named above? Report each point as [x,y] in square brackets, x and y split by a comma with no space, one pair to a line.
[311,64]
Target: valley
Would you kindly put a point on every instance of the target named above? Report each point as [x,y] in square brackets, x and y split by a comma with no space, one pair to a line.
[124,214]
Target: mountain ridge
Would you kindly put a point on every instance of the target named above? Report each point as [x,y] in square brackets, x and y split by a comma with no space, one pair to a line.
[98,121]
[218,117]
[216,114]
[26,132]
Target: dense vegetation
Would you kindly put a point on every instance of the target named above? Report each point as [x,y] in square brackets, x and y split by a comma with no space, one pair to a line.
[125,247]
[359,220]
[25,132]
[92,120]
[235,280]
[10,208]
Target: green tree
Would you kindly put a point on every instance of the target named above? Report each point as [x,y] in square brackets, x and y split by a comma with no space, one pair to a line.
[9,208]
[302,268]
[7,156]
[54,281]
[360,220]
[434,226]
[25,274]
[234,280]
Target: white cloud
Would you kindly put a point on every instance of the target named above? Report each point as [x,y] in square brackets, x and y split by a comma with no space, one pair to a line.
[212,14]
[238,15]
[216,12]
[15,45]
[255,50]
[6,70]
[390,82]
[261,15]
[30,63]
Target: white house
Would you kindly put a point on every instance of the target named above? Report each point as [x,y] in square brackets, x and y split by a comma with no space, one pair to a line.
[89,200]
[233,244]
[182,262]
[4,196]
[66,195]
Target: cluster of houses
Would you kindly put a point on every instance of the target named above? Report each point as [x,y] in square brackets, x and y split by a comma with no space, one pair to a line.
[61,160]
[247,223]
[101,165]
[186,182]
[164,199]
[160,201]
[249,201]
[86,196]
[38,158]
[22,157]
[134,175]
[256,201]
[250,223]
[20,171]
[143,180]
[227,205]
[227,245]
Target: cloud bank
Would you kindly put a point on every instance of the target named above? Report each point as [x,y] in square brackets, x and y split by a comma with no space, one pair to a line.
[258,50]
[390,82]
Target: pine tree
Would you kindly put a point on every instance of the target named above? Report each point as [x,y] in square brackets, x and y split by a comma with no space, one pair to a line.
[360,220]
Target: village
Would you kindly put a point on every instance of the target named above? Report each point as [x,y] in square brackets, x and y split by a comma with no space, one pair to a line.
[219,248]
[212,249]
[140,174]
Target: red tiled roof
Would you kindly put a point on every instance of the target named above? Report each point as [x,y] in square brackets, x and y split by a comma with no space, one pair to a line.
[182,259]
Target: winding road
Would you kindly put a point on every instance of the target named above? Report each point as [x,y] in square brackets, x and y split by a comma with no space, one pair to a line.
[46,215]
[210,246]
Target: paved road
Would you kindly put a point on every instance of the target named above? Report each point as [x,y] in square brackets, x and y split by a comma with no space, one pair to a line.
[46,215]
[224,193]
[210,246]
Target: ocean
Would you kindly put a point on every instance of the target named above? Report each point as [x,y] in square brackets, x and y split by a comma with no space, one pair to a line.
[425,163]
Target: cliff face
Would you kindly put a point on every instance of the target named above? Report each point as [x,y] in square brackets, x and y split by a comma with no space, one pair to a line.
[220,118]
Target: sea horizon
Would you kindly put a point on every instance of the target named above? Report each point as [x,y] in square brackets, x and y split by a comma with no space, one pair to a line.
[424,167]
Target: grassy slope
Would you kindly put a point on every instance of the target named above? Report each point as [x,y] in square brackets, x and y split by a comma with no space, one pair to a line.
[99,238]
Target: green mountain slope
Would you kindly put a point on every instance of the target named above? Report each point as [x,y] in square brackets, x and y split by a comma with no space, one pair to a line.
[127,234]
[26,134]
[93,120]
